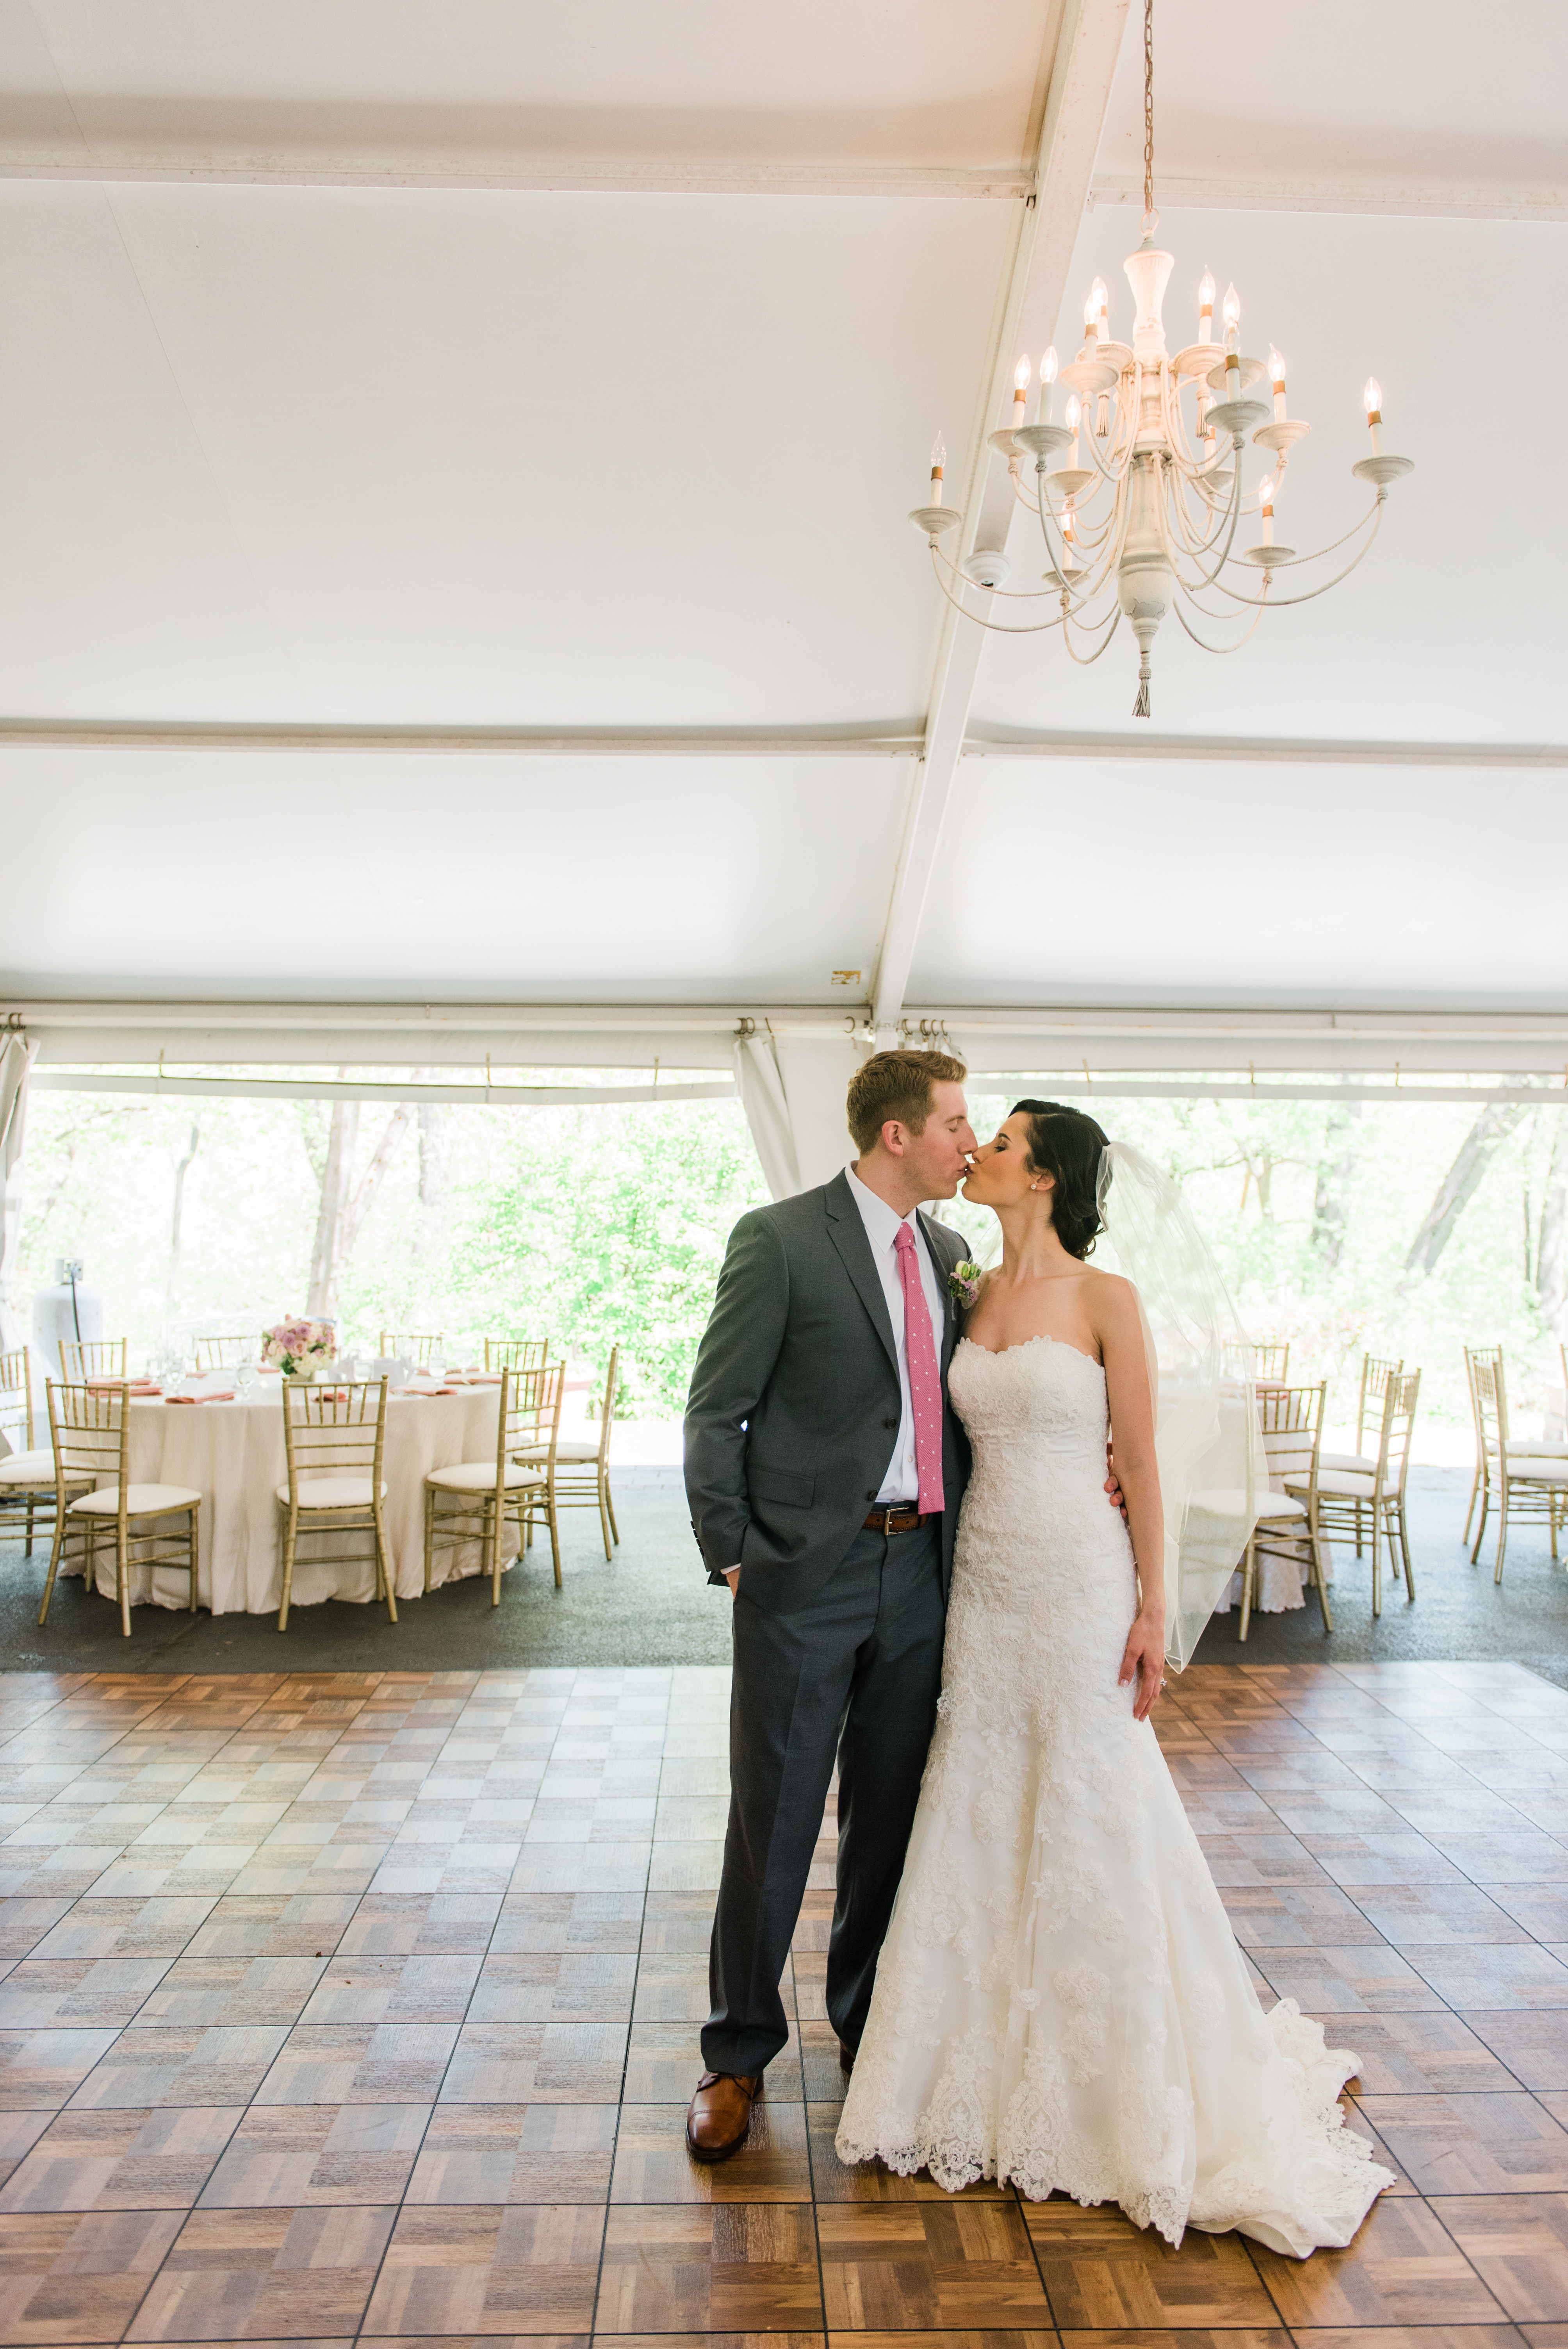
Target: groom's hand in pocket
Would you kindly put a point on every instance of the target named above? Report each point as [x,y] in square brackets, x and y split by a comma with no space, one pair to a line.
[1113,1489]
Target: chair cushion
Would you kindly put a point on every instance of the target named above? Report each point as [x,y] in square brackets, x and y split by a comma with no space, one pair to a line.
[1275,1507]
[1219,1501]
[29,1468]
[1339,1485]
[478,1476]
[332,1492]
[1533,1448]
[1539,1469]
[141,1500]
[1360,1463]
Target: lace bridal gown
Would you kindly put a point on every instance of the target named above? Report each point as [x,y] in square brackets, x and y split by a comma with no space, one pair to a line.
[1061,1999]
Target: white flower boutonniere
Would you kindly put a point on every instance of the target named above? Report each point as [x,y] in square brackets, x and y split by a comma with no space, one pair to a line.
[964,1283]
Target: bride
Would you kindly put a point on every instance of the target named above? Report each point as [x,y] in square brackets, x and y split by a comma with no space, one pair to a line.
[1060,2001]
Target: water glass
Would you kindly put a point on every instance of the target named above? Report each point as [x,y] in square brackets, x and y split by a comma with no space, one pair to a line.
[245,1378]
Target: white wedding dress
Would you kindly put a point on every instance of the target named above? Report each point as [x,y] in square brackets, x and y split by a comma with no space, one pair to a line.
[1060,2001]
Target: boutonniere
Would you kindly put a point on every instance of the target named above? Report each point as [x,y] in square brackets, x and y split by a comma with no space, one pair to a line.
[963,1282]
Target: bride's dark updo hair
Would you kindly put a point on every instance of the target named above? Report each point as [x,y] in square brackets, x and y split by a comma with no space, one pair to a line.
[1066,1143]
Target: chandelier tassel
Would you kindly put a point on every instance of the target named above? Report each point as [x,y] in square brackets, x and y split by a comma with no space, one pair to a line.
[1140,707]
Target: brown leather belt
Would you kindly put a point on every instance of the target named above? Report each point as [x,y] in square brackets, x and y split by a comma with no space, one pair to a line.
[899,1519]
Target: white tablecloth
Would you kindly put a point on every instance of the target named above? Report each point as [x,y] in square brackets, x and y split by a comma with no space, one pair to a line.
[232,1455]
[1282,1583]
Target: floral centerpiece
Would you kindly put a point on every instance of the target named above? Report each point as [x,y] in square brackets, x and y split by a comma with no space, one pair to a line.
[300,1348]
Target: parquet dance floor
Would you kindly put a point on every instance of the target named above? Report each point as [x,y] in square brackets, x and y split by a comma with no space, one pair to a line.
[366,2007]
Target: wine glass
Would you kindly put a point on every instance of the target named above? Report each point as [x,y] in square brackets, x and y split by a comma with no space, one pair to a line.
[245,1378]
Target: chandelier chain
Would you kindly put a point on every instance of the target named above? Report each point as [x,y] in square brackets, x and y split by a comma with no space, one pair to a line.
[1147,106]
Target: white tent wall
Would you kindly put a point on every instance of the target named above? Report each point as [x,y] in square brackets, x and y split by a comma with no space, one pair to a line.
[793,1089]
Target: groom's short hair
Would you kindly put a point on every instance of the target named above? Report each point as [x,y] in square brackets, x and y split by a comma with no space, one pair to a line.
[897,1085]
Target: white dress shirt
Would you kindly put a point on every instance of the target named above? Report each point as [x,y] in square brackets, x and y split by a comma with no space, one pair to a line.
[902,1482]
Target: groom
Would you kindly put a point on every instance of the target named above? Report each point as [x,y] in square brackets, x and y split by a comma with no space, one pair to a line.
[824,1471]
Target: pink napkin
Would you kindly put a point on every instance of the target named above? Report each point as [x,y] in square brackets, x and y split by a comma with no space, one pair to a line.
[226,1396]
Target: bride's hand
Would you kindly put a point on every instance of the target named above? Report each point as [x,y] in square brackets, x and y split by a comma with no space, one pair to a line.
[1143,1661]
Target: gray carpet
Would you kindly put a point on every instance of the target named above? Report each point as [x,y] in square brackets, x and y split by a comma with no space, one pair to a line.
[652,1607]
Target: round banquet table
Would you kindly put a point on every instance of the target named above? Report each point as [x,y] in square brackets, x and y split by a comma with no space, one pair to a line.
[232,1455]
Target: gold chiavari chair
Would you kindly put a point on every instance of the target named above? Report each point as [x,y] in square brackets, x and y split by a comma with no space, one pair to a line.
[1290,1421]
[580,1471]
[411,1347]
[516,1354]
[1344,1496]
[95,1358]
[472,1500]
[27,1472]
[1375,1374]
[1267,1360]
[539,1452]
[226,1353]
[91,1431]
[1530,1485]
[334,1437]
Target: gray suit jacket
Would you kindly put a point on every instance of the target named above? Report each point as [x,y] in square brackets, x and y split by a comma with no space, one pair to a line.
[795,1404]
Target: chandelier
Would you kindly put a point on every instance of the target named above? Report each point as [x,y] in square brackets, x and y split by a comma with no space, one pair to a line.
[1140,509]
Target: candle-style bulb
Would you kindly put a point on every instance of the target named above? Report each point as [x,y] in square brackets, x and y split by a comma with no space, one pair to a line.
[1206,290]
[1049,365]
[1266,489]
[1100,298]
[1091,311]
[1372,398]
[1073,411]
[1021,378]
[1232,307]
[1276,375]
[938,453]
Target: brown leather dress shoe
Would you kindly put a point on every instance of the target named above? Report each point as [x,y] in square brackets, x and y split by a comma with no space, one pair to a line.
[720,2114]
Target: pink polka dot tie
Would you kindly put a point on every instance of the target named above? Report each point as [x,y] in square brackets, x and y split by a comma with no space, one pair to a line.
[924,1379]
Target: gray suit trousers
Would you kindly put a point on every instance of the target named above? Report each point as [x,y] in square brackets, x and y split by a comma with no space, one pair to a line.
[856,1670]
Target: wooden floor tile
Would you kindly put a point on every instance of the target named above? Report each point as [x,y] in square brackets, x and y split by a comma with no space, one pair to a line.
[69,2277]
[1101,2271]
[45,2067]
[652,2163]
[1403,2268]
[130,2160]
[234,2275]
[1534,2044]
[515,2153]
[1415,2053]
[909,2266]
[223,2065]
[1041,2337]
[1498,2142]
[730,2267]
[1355,1979]
[575,1986]
[1409,2336]
[483,2270]
[1152,2337]
[296,2154]
[1522,1976]
[1518,2245]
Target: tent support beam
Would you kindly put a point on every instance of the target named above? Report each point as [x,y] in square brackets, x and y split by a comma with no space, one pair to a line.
[1087,46]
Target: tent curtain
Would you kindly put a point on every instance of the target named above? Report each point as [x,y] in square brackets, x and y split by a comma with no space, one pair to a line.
[15,1059]
[792,1088]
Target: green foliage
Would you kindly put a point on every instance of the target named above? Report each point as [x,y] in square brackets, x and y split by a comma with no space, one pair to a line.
[604,1225]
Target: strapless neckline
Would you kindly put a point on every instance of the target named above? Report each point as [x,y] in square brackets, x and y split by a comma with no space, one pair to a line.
[1000,1353]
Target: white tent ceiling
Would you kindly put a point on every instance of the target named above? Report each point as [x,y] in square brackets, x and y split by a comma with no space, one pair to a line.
[452,478]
